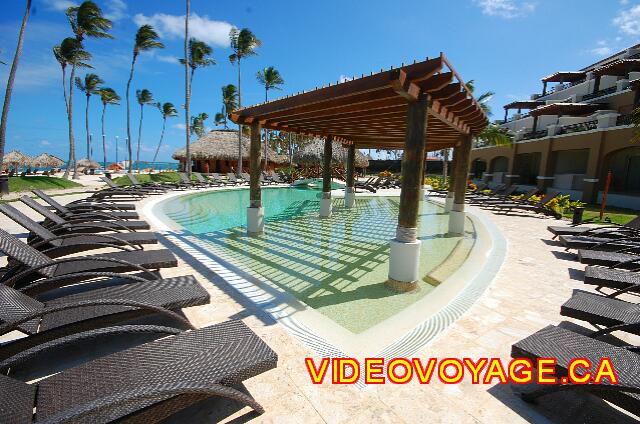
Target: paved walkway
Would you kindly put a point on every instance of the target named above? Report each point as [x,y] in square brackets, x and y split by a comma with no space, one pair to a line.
[525,296]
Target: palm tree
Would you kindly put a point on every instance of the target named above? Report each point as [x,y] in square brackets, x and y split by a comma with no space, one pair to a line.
[144,97]
[187,91]
[12,77]
[146,39]
[495,135]
[86,20]
[89,86]
[167,110]
[197,124]
[271,80]
[243,43]
[108,96]
[483,99]
[70,52]
[229,104]
[197,56]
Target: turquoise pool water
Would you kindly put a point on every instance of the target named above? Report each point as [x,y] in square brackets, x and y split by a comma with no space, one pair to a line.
[337,266]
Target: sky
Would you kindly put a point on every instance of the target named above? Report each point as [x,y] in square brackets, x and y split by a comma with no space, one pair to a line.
[506,46]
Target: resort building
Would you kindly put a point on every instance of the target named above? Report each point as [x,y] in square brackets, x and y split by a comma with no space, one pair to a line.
[574,133]
[217,151]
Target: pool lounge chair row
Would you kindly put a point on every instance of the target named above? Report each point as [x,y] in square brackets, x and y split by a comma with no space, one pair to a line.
[59,301]
[608,313]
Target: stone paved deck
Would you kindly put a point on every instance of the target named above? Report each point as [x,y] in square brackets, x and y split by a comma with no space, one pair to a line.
[525,296]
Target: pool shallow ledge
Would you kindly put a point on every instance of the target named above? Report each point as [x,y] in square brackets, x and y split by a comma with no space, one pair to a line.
[399,335]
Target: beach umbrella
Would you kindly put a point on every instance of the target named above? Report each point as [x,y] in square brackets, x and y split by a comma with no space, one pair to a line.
[16,159]
[114,167]
[89,164]
[313,151]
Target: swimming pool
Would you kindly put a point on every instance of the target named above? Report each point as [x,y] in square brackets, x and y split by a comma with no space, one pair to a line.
[335,266]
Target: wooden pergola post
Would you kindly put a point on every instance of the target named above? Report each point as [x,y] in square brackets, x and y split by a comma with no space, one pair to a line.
[325,201]
[255,212]
[404,256]
[349,193]
[457,214]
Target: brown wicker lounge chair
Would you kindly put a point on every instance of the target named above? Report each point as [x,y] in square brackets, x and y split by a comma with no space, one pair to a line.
[107,221]
[91,309]
[88,203]
[565,345]
[35,272]
[147,383]
[64,211]
[69,242]
[611,231]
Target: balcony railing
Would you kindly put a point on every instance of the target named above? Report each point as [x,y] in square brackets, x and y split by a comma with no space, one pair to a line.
[582,126]
[600,93]
[513,118]
[624,120]
[534,135]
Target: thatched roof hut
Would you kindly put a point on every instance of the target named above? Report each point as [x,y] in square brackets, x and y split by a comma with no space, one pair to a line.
[45,160]
[223,145]
[89,164]
[313,151]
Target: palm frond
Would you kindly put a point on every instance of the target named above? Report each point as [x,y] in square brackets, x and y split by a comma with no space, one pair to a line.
[146,39]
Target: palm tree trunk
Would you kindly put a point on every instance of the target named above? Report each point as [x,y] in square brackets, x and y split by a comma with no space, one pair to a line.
[72,141]
[133,62]
[86,125]
[290,155]
[239,166]
[104,136]
[187,90]
[12,77]
[139,137]
[66,107]
[164,123]
[266,133]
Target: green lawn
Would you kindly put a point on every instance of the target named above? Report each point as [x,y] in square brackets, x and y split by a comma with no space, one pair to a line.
[615,215]
[161,177]
[17,184]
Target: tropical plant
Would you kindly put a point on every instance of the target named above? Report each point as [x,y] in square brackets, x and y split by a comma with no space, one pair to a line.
[167,110]
[89,87]
[144,97]
[10,81]
[86,20]
[635,120]
[197,124]
[270,79]
[220,119]
[70,52]
[108,96]
[244,43]
[146,39]
[482,99]
[494,135]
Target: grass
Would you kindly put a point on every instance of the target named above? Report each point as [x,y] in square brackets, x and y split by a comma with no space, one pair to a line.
[18,184]
[162,177]
[616,215]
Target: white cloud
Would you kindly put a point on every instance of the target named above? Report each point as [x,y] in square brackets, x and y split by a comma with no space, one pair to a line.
[602,49]
[623,2]
[116,10]
[167,59]
[344,78]
[628,21]
[507,9]
[179,126]
[59,5]
[45,143]
[200,27]
[35,74]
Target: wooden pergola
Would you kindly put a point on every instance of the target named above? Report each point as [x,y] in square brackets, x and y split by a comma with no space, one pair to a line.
[419,107]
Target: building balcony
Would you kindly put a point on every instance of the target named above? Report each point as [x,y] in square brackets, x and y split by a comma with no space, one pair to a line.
[624,120]
[534,135]
[582,126]
[600,93]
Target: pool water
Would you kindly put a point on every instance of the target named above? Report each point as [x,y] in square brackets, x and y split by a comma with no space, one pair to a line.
[338,265]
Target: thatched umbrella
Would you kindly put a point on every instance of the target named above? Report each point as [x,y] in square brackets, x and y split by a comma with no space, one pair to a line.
[89,164]
[313,151]
[45,160]
[16,159]
[223,145]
